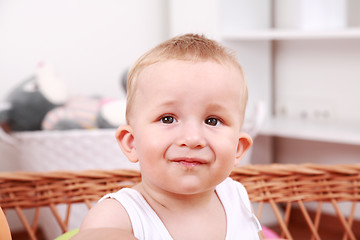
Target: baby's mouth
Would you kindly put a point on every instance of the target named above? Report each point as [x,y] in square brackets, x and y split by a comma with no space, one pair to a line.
[189,162]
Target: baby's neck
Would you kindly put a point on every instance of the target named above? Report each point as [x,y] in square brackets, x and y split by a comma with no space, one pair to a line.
[174,202]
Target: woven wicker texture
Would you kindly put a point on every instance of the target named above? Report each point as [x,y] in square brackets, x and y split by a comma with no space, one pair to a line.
[281,186]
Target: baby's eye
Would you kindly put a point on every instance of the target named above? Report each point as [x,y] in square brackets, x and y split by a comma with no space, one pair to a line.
[212,121]
[167,119]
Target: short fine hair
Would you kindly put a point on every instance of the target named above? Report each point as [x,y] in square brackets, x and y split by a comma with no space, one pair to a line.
[188,47]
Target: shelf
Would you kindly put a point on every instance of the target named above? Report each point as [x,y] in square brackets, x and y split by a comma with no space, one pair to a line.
[317,131]
[290,34]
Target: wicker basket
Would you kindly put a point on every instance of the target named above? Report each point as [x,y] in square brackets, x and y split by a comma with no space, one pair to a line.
[71,150]
[284,187]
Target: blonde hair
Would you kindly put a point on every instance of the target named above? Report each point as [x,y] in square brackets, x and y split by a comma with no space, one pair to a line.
[188,47]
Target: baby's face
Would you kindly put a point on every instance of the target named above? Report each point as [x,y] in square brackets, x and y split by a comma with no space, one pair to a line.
[186,124]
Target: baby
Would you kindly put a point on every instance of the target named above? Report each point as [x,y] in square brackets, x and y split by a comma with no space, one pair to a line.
[185,109]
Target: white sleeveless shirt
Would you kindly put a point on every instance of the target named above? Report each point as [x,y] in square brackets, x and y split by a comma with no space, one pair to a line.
[241,222]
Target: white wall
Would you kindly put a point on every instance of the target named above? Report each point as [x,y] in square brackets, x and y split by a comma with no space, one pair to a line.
[200,16]
[89,42]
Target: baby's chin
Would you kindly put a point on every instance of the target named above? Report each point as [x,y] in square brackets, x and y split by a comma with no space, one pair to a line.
[191,185]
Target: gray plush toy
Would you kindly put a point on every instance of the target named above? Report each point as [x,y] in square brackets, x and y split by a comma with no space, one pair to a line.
[28,103]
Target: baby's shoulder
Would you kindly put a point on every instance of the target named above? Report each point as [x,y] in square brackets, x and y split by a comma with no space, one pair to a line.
[108,213]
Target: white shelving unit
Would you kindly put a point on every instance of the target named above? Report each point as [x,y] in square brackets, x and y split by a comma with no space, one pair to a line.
[286,34]
[317,131]
[302,129]
[310,80]
[320,130]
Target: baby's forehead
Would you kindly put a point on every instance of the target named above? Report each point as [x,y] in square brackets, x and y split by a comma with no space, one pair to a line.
[182,75]
[169,74]
[159,66]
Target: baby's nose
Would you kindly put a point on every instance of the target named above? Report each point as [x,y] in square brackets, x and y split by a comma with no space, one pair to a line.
[192,136]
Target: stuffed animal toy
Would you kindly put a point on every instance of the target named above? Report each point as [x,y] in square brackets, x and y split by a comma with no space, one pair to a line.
[29,102]
[112,113]
[42,102]
[77,113]
[83,112]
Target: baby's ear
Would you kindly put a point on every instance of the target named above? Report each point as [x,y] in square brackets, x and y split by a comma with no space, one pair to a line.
[244,144]
[125,139]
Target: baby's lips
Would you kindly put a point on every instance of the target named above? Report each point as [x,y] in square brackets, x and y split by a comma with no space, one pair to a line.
[190,160]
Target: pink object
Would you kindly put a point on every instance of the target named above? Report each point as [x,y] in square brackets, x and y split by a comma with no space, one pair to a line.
[269,234]
[106,101]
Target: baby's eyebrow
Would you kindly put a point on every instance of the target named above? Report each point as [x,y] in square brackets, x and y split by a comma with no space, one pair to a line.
[215,107]
[218,109]
[165,104]
[169,102]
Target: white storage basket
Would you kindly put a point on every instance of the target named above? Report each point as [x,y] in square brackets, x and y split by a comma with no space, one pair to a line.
[67,150]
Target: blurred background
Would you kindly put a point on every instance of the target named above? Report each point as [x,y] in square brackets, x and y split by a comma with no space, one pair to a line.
[301,59]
